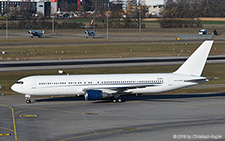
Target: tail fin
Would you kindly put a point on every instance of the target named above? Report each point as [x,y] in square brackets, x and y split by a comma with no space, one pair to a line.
[195,63]
[91,22]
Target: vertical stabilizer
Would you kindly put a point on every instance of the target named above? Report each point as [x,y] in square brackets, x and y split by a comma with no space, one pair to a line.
[195,63]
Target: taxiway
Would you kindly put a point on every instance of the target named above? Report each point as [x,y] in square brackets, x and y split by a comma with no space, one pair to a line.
[99,62]
[147,117]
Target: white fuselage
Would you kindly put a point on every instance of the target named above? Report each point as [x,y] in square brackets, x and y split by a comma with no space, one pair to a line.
[77,84]
[96,87]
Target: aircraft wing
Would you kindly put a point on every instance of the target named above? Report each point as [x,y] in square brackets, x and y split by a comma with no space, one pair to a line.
[120,89]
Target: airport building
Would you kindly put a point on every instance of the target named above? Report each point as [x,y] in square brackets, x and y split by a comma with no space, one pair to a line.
[19,7]
[92,5]
[155,11]
[43,7]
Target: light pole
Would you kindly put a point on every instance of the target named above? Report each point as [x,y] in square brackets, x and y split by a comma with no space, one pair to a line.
[108,23]
[139,21]
[107,26]
[6,27]
[53,24]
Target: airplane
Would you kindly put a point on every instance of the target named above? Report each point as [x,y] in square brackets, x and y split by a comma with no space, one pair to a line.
[38,33]
[204,32]
[88,32]
[112,86]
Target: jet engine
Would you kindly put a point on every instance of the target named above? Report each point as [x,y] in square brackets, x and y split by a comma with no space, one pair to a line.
[96,95]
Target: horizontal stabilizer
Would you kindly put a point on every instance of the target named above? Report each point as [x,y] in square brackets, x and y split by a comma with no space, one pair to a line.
[197,80]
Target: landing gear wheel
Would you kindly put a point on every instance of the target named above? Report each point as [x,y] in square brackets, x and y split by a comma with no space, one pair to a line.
[115,100]
[28,101]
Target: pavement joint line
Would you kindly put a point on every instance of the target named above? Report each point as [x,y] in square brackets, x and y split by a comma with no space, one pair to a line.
[139,128]
[31,108]
[6,129]
[50,110]
[97,133]
[86,120]
[14,122]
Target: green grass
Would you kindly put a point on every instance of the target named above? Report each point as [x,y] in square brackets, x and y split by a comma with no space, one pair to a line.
[33,50]
[2,18]
[211,70]
[213,22]
[152,27]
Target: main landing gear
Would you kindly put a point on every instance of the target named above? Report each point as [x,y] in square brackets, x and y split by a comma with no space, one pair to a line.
[116,98]
[27,98]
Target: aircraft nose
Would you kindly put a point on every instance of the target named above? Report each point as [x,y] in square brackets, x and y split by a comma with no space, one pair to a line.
[15,88]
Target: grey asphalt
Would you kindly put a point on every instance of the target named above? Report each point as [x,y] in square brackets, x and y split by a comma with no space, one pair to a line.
[143,118]
[99,62]
[138,38]
[98,36]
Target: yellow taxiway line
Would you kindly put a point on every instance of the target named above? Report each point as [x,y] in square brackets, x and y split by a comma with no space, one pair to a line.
[27,115]
[14,122]
[5,134]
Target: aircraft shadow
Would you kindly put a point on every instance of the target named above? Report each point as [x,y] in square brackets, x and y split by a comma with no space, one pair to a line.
[59,99]
[170,97]
[159,97]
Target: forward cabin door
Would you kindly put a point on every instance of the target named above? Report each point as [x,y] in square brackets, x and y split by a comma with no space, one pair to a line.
[170,81]
[34,84]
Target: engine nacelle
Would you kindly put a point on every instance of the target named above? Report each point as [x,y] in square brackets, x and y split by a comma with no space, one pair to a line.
[96,95]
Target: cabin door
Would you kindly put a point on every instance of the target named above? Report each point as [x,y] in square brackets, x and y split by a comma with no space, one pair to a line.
[34,84]
[170,81]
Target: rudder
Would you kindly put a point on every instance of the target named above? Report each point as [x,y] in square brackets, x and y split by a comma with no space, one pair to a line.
[194,65]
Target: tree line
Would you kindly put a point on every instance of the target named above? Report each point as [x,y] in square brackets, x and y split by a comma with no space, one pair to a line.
[185,13]
[194,8]
[41,24]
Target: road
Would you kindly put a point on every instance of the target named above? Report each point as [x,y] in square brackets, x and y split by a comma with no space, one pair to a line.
[100,62]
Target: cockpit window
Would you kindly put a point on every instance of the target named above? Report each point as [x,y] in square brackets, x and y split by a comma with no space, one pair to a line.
[19,82]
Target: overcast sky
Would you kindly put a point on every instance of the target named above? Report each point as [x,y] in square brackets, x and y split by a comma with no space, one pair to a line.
[154,2]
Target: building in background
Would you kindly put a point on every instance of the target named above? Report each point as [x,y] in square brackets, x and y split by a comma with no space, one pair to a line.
[46,8]
[92,5]
[68,5]
[19,8]
[155,11]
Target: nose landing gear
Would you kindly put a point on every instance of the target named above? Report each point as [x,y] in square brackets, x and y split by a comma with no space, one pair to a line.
[27,99]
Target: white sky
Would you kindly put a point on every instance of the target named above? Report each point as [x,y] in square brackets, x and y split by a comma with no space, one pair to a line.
[154,2]
[151,2]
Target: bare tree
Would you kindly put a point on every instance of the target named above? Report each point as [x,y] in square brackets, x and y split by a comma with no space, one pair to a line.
[193,9]
[66,5]
[26,9]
